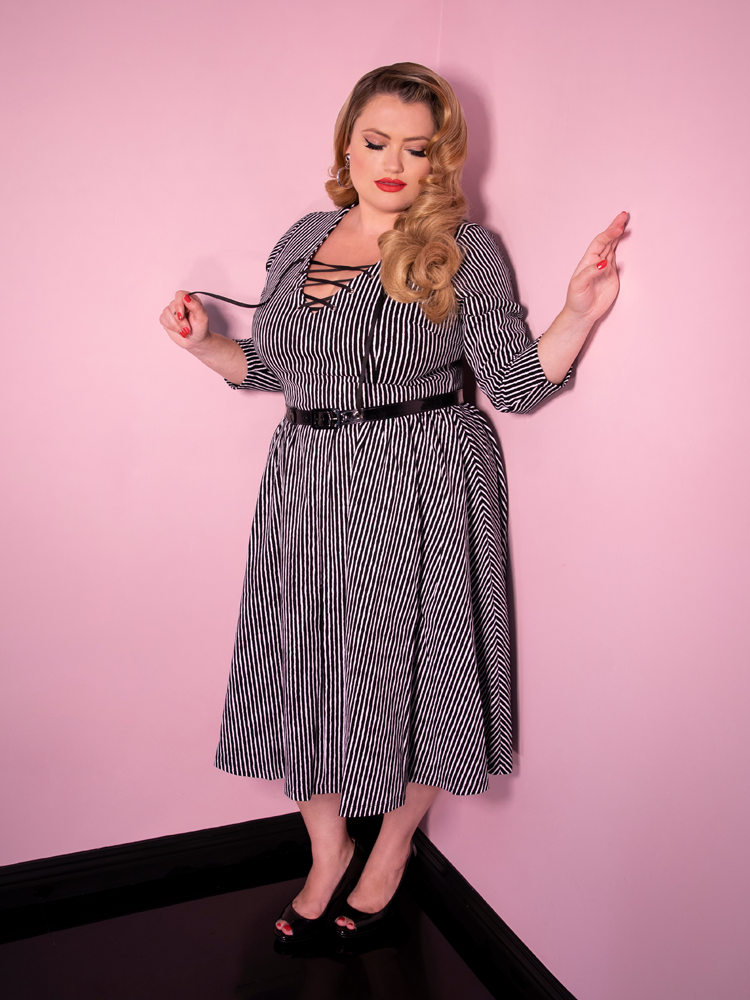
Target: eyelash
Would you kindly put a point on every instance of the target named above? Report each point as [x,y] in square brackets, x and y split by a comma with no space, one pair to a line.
[414,152]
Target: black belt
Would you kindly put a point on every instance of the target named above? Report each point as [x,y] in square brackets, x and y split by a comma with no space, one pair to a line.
[328,419]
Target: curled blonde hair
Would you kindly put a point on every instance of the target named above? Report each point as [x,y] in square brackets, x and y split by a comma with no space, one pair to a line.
[420,254]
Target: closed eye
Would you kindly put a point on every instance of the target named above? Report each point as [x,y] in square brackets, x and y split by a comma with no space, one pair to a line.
[414,152]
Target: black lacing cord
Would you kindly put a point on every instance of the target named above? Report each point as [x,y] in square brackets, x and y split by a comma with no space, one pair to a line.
[313,279]
[318,277]
[253,305]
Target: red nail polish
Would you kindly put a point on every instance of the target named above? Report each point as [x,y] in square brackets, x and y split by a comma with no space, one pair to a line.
[179,316]
[185,331]
[601,265]
[188,299]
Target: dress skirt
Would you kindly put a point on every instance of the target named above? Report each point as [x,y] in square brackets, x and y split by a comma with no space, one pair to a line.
[372,647]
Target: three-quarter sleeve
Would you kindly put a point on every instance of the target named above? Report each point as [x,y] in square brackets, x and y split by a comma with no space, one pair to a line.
[259,375]
[496,342]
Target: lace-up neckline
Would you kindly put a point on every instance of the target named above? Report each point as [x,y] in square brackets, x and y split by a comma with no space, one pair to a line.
[319,273]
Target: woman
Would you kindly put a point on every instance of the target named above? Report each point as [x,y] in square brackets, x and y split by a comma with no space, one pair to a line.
[371,666]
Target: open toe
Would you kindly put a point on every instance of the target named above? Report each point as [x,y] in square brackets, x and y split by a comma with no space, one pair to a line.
[292,926]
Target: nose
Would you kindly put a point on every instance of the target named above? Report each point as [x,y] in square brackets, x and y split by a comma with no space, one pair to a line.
[394,161]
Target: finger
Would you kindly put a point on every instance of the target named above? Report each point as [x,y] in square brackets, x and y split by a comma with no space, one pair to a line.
[615,230]
[617,226]
[594,272]
[193,305]
[595,254]
[170,320]
[172,325]
[620,221]
[600,244]
[179,307]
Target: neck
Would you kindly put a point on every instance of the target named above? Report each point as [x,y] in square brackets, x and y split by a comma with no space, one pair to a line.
[370,222]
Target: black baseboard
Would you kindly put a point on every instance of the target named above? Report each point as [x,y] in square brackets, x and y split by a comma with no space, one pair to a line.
[37,897]
[485,942]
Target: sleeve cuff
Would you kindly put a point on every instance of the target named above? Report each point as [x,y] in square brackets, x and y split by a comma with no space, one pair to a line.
[551,386]
[258,375]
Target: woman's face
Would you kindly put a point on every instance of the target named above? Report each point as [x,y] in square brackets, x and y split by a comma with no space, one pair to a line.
[386,152]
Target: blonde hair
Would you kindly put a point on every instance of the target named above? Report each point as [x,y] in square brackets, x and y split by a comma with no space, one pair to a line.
[420,254]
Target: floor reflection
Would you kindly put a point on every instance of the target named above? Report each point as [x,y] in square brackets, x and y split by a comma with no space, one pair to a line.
[222,948]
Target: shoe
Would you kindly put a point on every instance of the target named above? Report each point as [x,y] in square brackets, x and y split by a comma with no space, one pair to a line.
[365,923]
[303,929]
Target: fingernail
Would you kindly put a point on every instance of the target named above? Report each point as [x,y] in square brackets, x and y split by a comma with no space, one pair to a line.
[185,331]
[601,265]
[188,299]
[179,315]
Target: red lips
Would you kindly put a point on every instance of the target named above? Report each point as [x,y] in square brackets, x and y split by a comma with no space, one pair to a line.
[390,184]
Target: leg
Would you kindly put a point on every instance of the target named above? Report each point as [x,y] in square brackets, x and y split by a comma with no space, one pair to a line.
[332,851]
[384,867]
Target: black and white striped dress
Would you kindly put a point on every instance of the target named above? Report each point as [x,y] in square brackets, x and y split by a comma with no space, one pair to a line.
[372,645]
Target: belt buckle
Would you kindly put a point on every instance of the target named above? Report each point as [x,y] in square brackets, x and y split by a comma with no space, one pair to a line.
[353,417]
[328,419]
[345,418]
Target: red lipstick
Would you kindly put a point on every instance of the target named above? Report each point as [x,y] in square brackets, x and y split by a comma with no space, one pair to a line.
[390,184]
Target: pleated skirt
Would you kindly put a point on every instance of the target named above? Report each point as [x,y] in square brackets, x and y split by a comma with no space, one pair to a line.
[372,645]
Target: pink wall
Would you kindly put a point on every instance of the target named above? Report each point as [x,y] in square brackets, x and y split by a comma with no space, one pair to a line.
[149,145]
[618,850]
[146,146]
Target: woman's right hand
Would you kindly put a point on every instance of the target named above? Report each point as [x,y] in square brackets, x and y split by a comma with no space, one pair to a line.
[185,320]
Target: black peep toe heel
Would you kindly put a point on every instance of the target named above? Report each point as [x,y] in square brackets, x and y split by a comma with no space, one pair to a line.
[366,923]
[304,929]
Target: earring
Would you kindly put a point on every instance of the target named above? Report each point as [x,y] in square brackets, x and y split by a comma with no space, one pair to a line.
[339,172]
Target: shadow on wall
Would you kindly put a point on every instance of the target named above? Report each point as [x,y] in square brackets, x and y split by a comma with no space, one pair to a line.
[480,143]
[478,162]
[477,166]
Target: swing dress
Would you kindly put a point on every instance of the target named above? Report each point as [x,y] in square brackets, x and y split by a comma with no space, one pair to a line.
[372,647]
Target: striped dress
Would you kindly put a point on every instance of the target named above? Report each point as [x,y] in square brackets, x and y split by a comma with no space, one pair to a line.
[372,646]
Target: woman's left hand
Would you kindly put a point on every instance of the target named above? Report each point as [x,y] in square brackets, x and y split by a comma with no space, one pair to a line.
[594,285]
[592,290]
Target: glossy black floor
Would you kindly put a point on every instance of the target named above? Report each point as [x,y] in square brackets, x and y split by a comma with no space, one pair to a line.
[221,948]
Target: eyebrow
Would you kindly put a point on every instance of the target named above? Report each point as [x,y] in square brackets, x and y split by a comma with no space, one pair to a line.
[412,138]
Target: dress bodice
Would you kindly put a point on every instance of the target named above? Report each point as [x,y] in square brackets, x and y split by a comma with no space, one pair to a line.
[314,355]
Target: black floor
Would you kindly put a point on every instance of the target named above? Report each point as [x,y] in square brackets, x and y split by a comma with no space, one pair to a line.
[221,947]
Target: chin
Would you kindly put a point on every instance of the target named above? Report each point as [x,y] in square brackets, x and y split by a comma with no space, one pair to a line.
[392,202]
